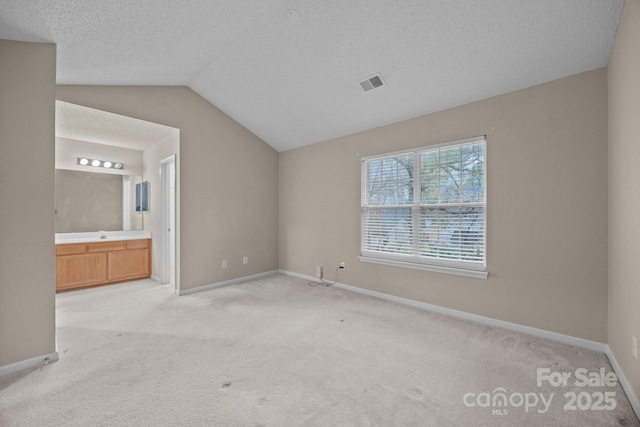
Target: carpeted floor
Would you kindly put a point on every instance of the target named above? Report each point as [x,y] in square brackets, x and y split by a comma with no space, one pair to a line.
[276,352]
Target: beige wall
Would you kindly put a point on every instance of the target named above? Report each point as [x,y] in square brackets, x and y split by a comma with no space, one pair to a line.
[27,255]
[151,172]
[547,214]
[87,201]
[624,192]
[228,180]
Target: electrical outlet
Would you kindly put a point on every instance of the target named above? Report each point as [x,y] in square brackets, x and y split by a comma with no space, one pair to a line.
[319,271]
[224,263]
[342,265]
[245,260]
[634,347]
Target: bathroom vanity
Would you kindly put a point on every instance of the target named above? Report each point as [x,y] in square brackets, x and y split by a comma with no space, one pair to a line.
[92,259]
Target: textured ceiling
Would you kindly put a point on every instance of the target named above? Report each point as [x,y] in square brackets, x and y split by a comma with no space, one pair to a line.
[292,77]
[100,127]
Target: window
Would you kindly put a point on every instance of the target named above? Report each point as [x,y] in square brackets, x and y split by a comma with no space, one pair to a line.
[426,207]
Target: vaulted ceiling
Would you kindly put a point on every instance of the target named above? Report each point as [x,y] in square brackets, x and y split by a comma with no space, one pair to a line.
[289,70]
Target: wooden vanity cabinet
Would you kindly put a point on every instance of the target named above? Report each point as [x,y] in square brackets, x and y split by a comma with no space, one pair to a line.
[80,270]
[80,265]
[130,263]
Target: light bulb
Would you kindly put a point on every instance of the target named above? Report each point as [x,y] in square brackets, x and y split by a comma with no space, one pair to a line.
[118,166]
[107,164]
[84,162]
[95,163]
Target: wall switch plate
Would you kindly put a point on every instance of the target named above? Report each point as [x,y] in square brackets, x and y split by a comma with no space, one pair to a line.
[245,260]
[634,347]
[342,265]
[224,263]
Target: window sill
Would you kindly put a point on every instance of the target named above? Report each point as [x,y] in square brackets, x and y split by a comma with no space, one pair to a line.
[437,268]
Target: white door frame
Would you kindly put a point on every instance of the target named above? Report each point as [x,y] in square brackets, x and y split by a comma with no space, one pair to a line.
[167,227]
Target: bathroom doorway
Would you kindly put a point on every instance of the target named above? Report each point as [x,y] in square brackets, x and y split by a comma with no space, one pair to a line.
[140,147]
[168,195]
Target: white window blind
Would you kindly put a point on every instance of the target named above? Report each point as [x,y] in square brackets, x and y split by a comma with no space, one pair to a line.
[426,205]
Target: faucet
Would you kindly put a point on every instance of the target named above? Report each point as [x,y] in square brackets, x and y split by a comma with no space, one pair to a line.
[103,234]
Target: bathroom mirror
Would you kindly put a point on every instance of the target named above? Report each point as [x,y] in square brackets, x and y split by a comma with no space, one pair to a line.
[91,201]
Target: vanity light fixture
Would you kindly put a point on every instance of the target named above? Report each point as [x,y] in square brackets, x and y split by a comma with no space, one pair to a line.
[83,161]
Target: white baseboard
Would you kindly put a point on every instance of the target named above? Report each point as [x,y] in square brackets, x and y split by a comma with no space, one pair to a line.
[633,399]
[566,339]
[23,365]
[156,279]
[227,283]
[554,336]
[489,321]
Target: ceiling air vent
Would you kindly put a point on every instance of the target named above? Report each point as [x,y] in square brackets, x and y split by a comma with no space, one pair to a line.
[372,83]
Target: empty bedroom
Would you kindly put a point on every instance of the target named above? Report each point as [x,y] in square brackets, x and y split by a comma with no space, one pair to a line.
[298,213]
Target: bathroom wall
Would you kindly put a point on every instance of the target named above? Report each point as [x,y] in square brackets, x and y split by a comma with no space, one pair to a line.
[88,201]
[90,213]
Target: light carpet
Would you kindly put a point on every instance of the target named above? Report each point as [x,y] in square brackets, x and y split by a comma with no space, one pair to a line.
[276,352]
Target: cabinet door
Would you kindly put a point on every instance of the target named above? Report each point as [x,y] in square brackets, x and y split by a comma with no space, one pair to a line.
[129,264]
[80,270]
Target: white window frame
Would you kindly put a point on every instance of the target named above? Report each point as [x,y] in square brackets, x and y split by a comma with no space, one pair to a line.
[414,260]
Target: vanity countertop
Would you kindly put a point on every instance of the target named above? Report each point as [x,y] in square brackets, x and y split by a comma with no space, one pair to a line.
[95,236]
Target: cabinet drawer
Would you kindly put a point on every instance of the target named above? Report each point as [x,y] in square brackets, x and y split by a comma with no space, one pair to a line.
[138,244]
[105,246]
[71,249]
